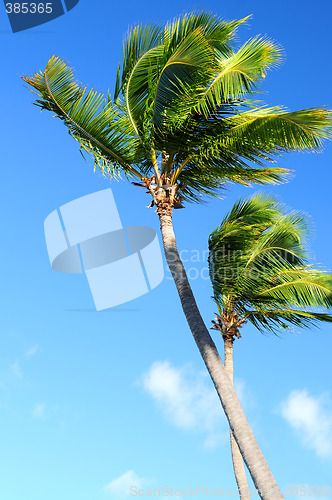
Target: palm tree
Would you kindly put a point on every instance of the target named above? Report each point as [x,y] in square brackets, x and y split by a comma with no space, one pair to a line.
[182,124]
[260,273]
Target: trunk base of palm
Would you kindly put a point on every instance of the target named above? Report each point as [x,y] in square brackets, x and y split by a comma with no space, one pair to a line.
[238,465]
[261,475]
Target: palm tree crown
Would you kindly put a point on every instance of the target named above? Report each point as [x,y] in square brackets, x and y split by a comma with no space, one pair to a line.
[260,269]
[181,117]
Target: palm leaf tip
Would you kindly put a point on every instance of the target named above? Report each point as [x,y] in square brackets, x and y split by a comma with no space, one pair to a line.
[280,130]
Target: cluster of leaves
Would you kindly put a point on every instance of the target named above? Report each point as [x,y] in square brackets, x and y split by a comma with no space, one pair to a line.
[182,106]
[259,267]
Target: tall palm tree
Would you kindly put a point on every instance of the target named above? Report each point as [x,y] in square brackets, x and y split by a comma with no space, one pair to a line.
[260,273]
[181,123]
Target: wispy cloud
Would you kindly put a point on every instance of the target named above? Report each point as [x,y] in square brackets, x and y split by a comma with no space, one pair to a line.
[125,485]
[246,397]
[39,411]
[187,400]
[311,418]
[31,351]
[15,370]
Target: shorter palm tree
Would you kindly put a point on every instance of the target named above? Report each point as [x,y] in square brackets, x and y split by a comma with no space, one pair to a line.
[260,272]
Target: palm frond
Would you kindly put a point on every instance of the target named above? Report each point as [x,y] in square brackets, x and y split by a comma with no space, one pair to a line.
[239,74]
[184,74]
[303,287]
[154,52]
[276,129]
[217,176]
[90,117]
[219,34]
[275,319]
[139,40]
[281,244]
[137,92]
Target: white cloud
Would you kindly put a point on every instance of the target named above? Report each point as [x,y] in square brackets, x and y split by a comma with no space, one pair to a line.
[15,370]
[187,400]
[39,411]
[242,392]
[31,351]
[127,483]
[311,417]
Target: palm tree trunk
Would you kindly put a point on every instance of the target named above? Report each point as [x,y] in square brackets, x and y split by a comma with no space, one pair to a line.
[238,465]
[251,453]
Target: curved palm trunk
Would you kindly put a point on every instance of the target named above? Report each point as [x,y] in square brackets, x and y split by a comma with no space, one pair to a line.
[252,455]
[238,465]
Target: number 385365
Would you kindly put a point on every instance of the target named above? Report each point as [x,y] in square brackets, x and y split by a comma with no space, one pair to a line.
[29,8]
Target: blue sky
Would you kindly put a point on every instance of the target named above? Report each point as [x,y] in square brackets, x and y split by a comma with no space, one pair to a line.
[94,402]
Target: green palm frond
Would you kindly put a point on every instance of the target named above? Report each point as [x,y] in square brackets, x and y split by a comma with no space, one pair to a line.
[162,54]
[186,72]
[261,135]
[239,74]
[277,129]
[90,117]
[253,137]
[137,93]
[139,40]
[217,176]
[218,33]
[258,210]
[281,243]
[303,287]
[276,319]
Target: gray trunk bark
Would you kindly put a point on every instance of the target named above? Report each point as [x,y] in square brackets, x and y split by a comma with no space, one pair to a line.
[238,465]
[261,475]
